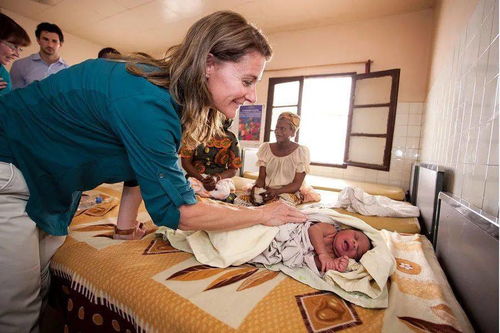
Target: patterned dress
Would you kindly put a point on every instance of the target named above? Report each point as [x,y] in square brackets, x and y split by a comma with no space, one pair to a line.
[215,156]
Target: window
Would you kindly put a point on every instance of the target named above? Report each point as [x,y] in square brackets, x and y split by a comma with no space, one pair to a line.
[347,119]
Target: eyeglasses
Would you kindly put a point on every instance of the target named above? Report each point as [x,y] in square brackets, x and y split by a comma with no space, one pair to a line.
[12,46]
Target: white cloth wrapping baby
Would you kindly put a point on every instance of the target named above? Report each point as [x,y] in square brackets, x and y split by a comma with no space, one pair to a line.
[364,284]
[291,246]
[354,199]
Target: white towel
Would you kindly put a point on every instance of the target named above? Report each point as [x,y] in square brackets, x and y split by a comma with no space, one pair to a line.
[354,199]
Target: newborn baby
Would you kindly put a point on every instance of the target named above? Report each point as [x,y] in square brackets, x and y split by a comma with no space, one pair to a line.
[318,245]
[334,247]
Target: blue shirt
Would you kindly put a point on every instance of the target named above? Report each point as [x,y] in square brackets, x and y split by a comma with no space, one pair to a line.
[5,77]
[90,124]
[33,68]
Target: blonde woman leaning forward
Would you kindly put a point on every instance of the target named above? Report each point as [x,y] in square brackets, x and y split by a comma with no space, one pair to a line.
[105,121]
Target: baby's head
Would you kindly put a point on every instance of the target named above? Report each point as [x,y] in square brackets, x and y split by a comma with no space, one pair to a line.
[352,243]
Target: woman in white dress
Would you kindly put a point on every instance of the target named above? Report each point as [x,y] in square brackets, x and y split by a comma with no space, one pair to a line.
[283,166]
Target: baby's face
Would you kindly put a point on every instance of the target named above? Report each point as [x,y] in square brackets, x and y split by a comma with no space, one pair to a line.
[351,243]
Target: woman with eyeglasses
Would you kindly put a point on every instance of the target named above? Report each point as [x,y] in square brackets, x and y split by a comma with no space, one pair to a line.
[12,38]
[105,121]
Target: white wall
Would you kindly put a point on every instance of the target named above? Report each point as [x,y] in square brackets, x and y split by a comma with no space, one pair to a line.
[398,41]
[461,118]
[74,49]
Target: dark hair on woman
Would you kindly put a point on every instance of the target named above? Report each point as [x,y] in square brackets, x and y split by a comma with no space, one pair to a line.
[13,32]
[107,51]
[49,27]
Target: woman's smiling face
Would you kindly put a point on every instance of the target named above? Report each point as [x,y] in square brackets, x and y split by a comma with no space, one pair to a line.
[350,243]
[232,84]
[283,130]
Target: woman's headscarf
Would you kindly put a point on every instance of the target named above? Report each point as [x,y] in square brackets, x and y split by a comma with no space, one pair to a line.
[292,118]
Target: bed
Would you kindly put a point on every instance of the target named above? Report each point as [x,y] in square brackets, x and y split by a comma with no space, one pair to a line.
[104,285]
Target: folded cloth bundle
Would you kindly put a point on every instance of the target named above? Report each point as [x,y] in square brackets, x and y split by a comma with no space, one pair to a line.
[355,200]
[364,283]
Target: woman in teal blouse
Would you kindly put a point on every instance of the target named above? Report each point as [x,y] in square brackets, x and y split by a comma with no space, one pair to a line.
[103,122]
[12,38]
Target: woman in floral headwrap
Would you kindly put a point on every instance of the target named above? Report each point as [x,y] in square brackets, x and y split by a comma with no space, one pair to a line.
[210,166]
[282,167]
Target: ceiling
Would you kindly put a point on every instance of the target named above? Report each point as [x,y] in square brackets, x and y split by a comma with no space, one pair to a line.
[153,25]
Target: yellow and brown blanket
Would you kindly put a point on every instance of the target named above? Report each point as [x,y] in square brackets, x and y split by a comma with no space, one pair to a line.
[101,284]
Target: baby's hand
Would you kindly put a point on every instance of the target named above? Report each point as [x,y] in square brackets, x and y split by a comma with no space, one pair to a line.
[327,262]
[341,263]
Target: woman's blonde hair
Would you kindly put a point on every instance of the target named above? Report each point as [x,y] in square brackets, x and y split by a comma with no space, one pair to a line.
[226,35]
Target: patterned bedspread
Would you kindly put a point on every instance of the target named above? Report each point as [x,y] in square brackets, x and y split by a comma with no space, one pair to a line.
[101,284]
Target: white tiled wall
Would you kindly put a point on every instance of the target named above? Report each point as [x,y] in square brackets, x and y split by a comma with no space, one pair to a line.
[461,116]
[405,151]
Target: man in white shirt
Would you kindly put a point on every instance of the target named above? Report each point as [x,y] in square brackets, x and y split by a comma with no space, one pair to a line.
[42,64]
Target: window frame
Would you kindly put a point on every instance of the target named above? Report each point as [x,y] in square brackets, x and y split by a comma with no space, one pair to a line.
[269,106]
[391,118]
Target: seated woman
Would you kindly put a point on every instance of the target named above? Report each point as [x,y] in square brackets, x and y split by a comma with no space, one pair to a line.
[210,166]
[282,168]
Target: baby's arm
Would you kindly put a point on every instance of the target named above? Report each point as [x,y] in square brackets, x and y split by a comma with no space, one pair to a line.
[317,233]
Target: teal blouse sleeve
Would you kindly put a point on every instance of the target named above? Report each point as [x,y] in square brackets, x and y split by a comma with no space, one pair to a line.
[150,130]
[4,75]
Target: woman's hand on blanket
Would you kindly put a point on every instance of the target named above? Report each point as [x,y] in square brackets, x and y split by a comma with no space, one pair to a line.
[278,213]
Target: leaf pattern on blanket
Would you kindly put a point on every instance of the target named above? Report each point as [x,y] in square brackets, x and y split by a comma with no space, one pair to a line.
[257,279]
[427,326]
[232,276]
[159,246]
[193,273]
[444,312]
[422,289]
